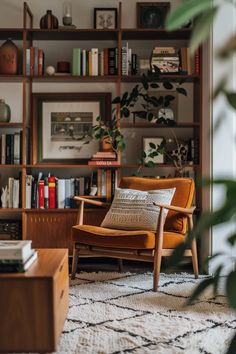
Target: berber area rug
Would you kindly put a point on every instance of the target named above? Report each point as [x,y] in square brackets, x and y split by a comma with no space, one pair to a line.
[113,313]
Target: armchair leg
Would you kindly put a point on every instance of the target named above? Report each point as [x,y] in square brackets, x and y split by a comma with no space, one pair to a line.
[74,262]
[157,269]
[120,264]
[195,258]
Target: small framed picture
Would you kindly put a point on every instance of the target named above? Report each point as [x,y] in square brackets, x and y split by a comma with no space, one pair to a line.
[148,149]
[152,14]
[105,18]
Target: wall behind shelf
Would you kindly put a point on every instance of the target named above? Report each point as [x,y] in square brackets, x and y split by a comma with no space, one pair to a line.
[82,11]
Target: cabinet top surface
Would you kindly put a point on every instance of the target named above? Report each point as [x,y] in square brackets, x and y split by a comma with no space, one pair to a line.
[45,266]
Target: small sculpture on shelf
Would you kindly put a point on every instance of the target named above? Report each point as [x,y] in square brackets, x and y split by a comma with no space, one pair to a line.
[8,58]
[67,14]
[5,111]
[49,21]
[50,70]
[4,197]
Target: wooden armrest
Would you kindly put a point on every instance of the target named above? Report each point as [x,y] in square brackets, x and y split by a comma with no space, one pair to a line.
[92,201]
[186,211]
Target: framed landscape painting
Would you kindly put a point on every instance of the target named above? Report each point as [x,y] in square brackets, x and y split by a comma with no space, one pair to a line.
[63,123]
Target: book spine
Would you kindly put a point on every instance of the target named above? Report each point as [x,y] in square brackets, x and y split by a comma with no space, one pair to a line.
[36,61]
[90,63]
[41,194]
[61,193]
[28,191]
[111,61]
[10,191]
[105,61]
[46,198]
[40,62]
[32,61]
[76,62]
[3,149]
[17,152]
[103,163]
[94,52]
[27,62]
[52,192]
[34,194]
[84,62]
[81,185]
[16,193]
[9,149]
[102,63]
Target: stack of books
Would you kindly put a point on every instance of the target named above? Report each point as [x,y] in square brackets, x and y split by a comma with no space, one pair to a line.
[103,158]
[11,148]
[166,59]
[34,65]
[16,256]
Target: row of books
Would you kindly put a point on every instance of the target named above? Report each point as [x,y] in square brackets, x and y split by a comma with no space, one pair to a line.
[16,256]
[34,64]
[175,60]
[11,148]
[11,194]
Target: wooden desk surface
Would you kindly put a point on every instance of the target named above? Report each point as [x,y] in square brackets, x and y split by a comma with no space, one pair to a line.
[45,265]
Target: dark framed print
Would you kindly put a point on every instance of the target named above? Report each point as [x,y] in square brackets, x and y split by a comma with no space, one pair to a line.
[147,148]
[105,18]
[152,14]
[62,125]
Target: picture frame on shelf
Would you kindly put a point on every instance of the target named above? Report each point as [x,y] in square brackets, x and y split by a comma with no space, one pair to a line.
[151,15]
[147,149]
[62,125]
[105,18]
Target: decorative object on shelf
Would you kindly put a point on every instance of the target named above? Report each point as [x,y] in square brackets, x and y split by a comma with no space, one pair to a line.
[67,14]
[167,112]
[149,145]
[105,144]
[152,14]
[5,112]
[8,58]
[50,70]
[5,197]
[64,124]
[10,230]
[49,21]
[105,18]
[165,59]
[63,67]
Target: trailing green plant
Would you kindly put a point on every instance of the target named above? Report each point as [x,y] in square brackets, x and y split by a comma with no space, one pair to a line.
[203,13]
[126,106]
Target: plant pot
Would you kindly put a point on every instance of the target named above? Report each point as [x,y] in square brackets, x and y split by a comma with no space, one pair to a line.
[8,58]
[105,144]
[49,21]
[5,112]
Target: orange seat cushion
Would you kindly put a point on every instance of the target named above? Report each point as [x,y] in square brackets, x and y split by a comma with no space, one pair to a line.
[101,236]
[104,237]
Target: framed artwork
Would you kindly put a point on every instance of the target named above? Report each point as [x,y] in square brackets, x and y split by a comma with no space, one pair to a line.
[169,108]
[105,18]
[62,125]
[152,14]
[148,149]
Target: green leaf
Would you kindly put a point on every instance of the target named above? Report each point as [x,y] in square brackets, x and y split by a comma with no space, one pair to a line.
[116,100]
[167,85]
[200,289]
[181,90]
[125,112]
[231,289]
[231,97]
[152,145]
[232,346]
[185,12]
[150,164]
[177,255]
[202,28]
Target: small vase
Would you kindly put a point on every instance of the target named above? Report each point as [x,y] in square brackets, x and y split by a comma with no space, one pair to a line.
[8,58]
[5,112]
[105,144]
[49,21]
[67,14]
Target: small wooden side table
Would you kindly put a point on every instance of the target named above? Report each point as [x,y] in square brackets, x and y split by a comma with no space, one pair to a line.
[34,304]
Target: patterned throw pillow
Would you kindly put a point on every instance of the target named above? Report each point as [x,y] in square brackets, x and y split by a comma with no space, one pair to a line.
[134,210]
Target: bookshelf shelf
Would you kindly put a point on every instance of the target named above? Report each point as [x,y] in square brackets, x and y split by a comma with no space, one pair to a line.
[11,210]
[71,78]
[10,166]
[13,33]
[72,34]
[170,77]
[159,126]
[13,78]
[150,34]
[11,125]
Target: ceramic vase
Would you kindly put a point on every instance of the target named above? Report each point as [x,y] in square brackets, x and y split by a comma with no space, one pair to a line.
[5,112]
[8,58]
[49,21]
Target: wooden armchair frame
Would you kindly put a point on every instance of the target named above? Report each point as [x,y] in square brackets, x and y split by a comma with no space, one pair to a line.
[154,255]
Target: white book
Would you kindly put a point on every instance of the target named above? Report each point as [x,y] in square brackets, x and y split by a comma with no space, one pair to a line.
[94,61]
[61,193]
[10,191]
[127,58]
[16,193]
[28,190]
[72,187]
[3,149]
[30,260]
[129,61]
[16,148]
[15,250]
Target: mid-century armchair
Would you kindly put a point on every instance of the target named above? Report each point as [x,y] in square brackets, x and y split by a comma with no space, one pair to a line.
[140,245]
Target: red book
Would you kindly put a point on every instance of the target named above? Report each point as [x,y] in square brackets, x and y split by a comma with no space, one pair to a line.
[41,194]
[31,61]
[52,192]
[105,61]
[40,61]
